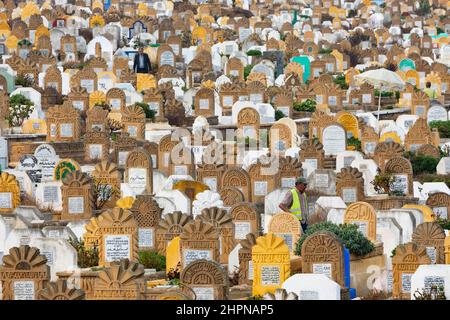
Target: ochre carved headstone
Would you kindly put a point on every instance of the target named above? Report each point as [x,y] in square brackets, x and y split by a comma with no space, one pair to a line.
[364,216]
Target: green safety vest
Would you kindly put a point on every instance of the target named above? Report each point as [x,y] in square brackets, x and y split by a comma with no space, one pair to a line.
[296,208]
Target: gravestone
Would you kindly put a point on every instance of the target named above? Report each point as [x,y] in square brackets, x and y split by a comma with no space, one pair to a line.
[60,291]
[334,139]
[63,124]
[23,273]
[440,203]
[286,226]
[245,259]
[323,253]
[77,196]
[402,171]
[312,153]
[170,227]
[271,264]
[309,286]
[322,181]
[223,221]
[96,146]
[106,177]
[350,185]
[199,240]
[431,236]
[47,160]
[123,280]
[428,276]
[246,220]
[139,171]
[117,236]
[364,216]
[9,193]
[208,279]
[147,214]
[408,257]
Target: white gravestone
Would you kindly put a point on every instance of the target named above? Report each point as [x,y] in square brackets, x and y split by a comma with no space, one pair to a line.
[334,139]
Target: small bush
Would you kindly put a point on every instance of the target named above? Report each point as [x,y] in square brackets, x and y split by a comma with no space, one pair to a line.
[325,51]
[24,81]
[340,80]
[422,164]
[308,105]
[354,142]
[279,115]
[87,258]
[247,70]
[433,293]
[149,113]
[20,109]
[384,94]
[382,182]
[442,126]
[152,260]
[254,53]
[349,234]
[444,223]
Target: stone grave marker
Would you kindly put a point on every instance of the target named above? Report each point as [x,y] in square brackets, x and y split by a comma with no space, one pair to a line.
[49,196]
[440,203]
[63,124]
[364,216]
[147,214]
[334,139]
[122,280]
[428,276]
[286,226]
[208,279]
[431,236]
[350,185]
[199,240]
[77,196]
[47,159]
[245,259]
[271,264]
[9,193]
[59,290]
[312,153]
[133,119]
[401,169]
[123,145]
[170,226]
[23,273]
[323,253]
[118,236]
[323,181]
[139,171]
[309,286]
[246,220]
[96,146]
[408,257]
[237,178]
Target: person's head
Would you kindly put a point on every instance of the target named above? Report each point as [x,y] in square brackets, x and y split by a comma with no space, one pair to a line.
[301,184]
[428,84]
[141,50]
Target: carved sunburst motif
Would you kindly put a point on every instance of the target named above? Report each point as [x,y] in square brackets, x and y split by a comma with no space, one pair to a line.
[199,230]
[216,216]
[119,275]
[269,243]
[59,291]
[174,222]
[24,258]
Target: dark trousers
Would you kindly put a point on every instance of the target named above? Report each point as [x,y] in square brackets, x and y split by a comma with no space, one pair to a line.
[138,70]
[304,226]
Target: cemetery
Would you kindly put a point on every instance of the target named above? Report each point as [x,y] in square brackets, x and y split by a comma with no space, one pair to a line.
[224,150]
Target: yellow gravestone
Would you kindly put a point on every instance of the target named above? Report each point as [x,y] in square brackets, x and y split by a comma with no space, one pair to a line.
[142,9]
[199,35]
[339,60]
[428,214]
[173,255]
[271,264]
[41,31]
[96,21]
[412,76]
[364,216]
[9,192]
[145,81]
[447,249]
[350,123]
[29,9]
[390,136]
[34,126]
[96,97]
[190,188]
[11,42]
[125,203]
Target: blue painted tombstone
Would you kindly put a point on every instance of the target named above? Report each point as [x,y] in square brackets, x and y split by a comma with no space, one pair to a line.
[352,291]
[406,64]
[306,65]
[106,5]
[137,28]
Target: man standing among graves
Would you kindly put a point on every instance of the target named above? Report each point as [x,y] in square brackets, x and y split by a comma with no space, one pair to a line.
[431,93]
[141,62]
[296,203]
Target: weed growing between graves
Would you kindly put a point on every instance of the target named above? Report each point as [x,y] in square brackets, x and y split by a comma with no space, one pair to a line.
[444,223]
[87,258]
[20,109]
[433,293]
[442,126]
[349,234]
[376,295]
[308,105]
[149,113]
[152,260]
[174,275]
[355,143]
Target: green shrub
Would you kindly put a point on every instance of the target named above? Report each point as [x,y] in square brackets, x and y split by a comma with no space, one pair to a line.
[308,105]
[384,94]
[354,142]
[422,164]
[433,293]
[254,53]
[444,223]
[152,260]
[87,258]
[20,109]
[279,114]
[149,113]
[349,234]
[442,126]
[340,80]
[325,51]
[247,70]
[24,81]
